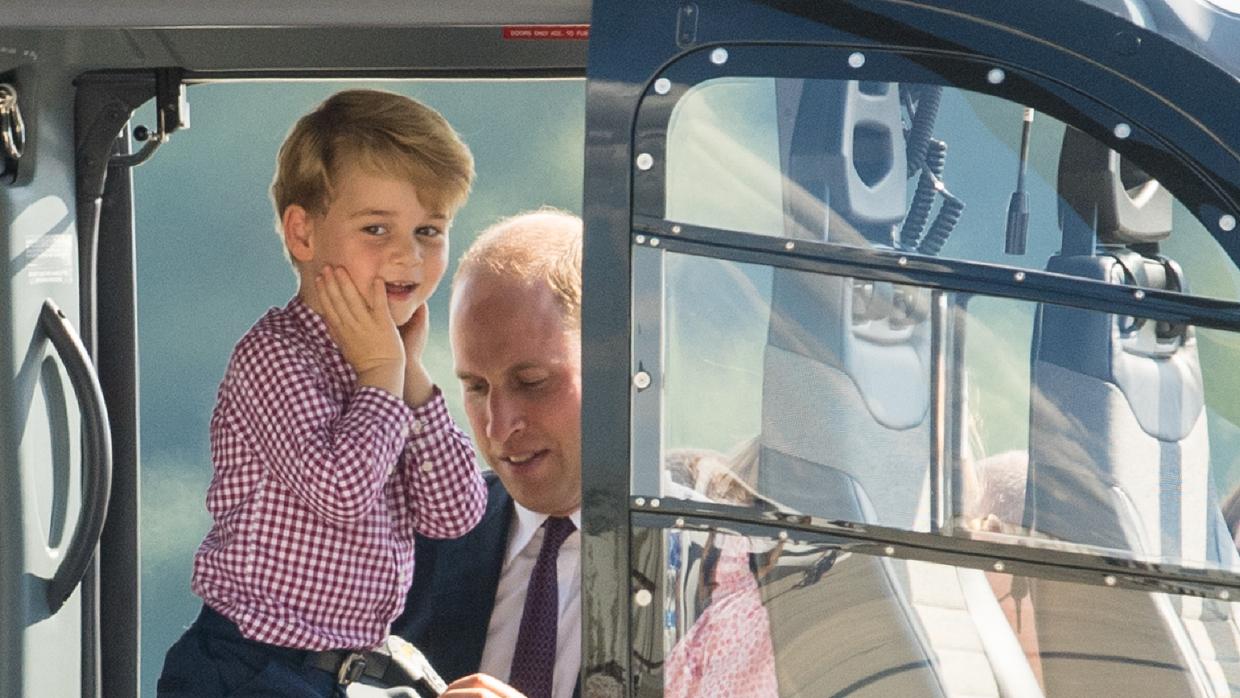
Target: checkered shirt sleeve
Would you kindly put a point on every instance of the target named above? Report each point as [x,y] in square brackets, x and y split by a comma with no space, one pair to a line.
[319,487]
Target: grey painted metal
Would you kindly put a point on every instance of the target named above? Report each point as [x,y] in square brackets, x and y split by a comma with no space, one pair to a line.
[605,350]
[40,263]
[648,328]
[386,51]
[183,13]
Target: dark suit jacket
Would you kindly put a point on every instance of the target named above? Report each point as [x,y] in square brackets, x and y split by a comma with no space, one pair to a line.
[449,605]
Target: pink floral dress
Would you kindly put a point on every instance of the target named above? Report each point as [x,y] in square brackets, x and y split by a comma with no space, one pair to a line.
[728,650]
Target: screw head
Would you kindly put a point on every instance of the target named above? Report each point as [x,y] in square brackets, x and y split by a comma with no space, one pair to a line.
[641,380]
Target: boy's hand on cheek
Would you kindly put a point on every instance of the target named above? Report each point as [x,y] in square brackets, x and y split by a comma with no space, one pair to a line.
[418,385]
[363,328]
[414,333]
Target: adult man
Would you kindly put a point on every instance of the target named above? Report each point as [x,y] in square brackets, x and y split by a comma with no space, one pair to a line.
[515,329]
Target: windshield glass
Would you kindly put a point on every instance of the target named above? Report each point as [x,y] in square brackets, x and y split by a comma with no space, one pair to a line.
[720,612]
[839,393]
[925,169]
[933,382]
[812,394]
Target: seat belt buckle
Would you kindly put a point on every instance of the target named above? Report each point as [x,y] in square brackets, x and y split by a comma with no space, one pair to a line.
[351,669]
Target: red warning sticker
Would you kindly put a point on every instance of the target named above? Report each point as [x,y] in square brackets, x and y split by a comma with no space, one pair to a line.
[548,32]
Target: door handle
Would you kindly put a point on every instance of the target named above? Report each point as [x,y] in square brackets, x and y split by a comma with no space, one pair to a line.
[96,454]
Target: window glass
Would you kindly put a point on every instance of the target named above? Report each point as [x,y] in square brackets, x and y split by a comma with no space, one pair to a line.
[923,168]
[1061,427]
[722,612]
[210,263]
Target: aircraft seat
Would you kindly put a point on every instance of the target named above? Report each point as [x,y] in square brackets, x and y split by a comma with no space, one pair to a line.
[845,430]
[1119,452]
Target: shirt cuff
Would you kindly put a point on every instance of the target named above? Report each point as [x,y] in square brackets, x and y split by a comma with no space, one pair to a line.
[430,417]
[389,407]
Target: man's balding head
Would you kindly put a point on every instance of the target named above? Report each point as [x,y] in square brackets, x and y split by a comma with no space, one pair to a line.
[536,246]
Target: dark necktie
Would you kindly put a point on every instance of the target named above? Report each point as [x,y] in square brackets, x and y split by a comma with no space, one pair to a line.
[533,662]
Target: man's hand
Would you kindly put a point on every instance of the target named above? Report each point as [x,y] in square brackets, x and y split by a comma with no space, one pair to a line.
[363,328]
[480,686]
[418,385]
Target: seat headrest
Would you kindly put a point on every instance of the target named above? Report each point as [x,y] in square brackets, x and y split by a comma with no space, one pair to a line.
[1123,204]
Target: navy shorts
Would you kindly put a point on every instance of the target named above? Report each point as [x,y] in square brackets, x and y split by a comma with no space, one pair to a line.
[212,659]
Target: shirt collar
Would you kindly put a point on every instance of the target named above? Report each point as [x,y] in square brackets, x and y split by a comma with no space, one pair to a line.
[311,322]
[527,524]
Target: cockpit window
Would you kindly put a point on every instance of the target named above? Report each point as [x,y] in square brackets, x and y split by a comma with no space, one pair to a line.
[925,169]
[1047,425]
[789,378]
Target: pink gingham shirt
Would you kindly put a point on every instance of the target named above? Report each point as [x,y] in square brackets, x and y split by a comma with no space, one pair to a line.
[319,487]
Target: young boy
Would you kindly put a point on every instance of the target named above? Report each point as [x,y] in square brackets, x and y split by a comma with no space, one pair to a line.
[331,446]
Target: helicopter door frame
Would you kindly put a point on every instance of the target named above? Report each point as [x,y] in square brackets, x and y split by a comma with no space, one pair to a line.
[92,95]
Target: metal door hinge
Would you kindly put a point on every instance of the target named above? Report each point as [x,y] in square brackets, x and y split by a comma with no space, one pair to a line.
[12,133]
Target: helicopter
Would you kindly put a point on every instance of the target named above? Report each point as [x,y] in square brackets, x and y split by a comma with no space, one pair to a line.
[909,326]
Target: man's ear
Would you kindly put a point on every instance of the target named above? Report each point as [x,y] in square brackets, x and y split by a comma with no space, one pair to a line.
[298,226]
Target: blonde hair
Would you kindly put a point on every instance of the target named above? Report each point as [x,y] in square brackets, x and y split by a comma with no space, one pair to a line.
[542,245]
[381,132]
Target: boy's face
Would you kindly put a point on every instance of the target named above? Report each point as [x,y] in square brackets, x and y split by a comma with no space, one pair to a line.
[375,227]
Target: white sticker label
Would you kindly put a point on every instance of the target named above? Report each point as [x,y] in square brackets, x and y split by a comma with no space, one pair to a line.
[51,258]
[47,256]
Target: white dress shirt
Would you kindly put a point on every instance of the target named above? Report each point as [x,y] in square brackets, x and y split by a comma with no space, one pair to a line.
[525,537]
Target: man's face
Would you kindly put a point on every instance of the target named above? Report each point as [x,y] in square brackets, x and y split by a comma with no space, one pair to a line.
[375,227]
[520,370]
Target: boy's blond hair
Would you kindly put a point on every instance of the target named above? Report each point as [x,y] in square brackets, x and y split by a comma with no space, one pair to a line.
[535,246]
[382,133]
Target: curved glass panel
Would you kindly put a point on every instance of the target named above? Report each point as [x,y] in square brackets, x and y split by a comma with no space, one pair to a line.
[931,170]
[721,613]
[940,412]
